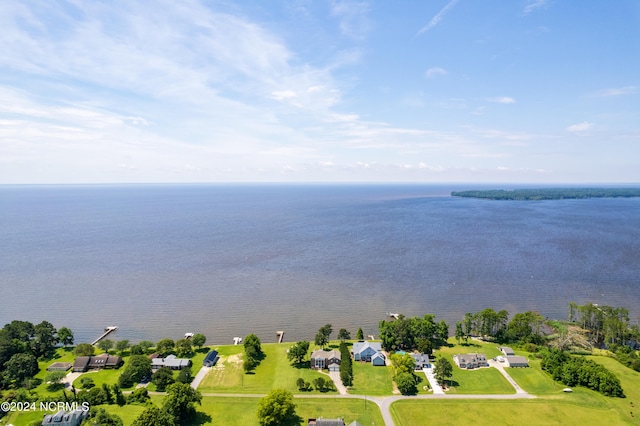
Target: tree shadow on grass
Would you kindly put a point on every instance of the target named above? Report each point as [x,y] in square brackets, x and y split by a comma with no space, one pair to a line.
[199,418]
[294,420]
[470,344]
[302,365]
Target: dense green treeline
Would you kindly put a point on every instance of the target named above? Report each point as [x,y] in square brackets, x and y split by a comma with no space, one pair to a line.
[550,193]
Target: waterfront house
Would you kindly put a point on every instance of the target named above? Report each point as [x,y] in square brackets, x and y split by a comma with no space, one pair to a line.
[211,359]
[85,363]
[470,361]
[364,351]
[422,361]
[170,362]
[326,359]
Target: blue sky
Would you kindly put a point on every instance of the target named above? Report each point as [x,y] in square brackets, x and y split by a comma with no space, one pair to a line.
[320,91]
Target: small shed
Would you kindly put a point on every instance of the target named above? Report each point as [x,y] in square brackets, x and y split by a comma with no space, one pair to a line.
[378,359]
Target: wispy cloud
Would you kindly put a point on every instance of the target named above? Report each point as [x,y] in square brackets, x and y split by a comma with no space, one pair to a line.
[580,127]
[618,91]
[502,100]
[353,17]
[534,5]
[435,71]
[436,19]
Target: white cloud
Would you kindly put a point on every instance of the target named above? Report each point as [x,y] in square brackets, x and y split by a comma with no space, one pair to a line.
[435,71]
[438,17]
[534,5]
[282,95]
[618,91]
[580,127]
[502,100]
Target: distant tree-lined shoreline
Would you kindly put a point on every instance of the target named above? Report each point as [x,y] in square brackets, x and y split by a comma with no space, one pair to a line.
[549,193]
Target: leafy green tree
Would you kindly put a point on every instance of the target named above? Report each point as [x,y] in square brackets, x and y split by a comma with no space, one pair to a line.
[443,370]
[45,339]
[19,367]
[54,380]
[105,345]
[153,416]
[122,345]
[118,395]
[301,384]
[402,363]
[65,336]
[199,340]
[252,352]
[459,332]
[406,383]
[185,376]
[277,408]
[165,347]
[100,417]
[359,334]
[145,345]
[139,396]
[180,401]
[443,331]
[343,335]
[320,339]
[86,382]
[298,352]
[162,378]
[136,350]
[183,348]
[137,367]
[84,349]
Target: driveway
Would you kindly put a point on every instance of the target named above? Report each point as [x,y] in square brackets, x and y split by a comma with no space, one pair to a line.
[196,380]
[498,366]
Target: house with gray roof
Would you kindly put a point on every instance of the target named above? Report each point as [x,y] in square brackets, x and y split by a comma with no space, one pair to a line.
[326,422]
[507,351]
[516,361]
[471,361]
[62,418]
[170,362]
[326,359]
[422,360]
[364,351]
[85,363]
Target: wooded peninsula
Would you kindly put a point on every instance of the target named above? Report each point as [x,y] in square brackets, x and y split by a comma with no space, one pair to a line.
[549,193]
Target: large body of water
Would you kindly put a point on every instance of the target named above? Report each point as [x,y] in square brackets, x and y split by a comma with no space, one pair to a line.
[228,260]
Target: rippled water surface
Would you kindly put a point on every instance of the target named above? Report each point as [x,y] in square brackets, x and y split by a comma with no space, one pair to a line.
[227,260]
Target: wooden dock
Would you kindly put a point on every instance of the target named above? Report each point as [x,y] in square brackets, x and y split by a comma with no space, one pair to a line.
[279,336]
[107,331]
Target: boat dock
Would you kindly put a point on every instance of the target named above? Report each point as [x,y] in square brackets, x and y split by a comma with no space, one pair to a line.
[279,336]
[107,331]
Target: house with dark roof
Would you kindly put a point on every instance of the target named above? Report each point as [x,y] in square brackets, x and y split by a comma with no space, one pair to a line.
[85,363]
[59,366]
[170,362]
[471,361]
[326,359]
[211,359]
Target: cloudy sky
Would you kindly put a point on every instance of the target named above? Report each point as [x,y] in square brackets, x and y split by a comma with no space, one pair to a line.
[320,91]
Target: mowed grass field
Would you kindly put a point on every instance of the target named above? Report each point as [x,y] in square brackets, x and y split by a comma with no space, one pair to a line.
[274,371]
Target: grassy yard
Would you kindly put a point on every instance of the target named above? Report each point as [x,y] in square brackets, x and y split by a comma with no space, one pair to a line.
[275,371]
[503,412]
[234,411]
[534,380]
[370,380]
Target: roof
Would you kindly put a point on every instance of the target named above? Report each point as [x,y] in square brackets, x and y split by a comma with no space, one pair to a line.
[81,362]
[516,359]
[359,347]
[326,354]
[420,358]
[59,366]
[171,361]
[212,355]
[507,350]
[326,422]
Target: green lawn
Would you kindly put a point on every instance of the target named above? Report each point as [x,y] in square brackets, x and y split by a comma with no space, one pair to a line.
[235,411]
[534,380]
[275,371]
[503,412]
[372,380]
